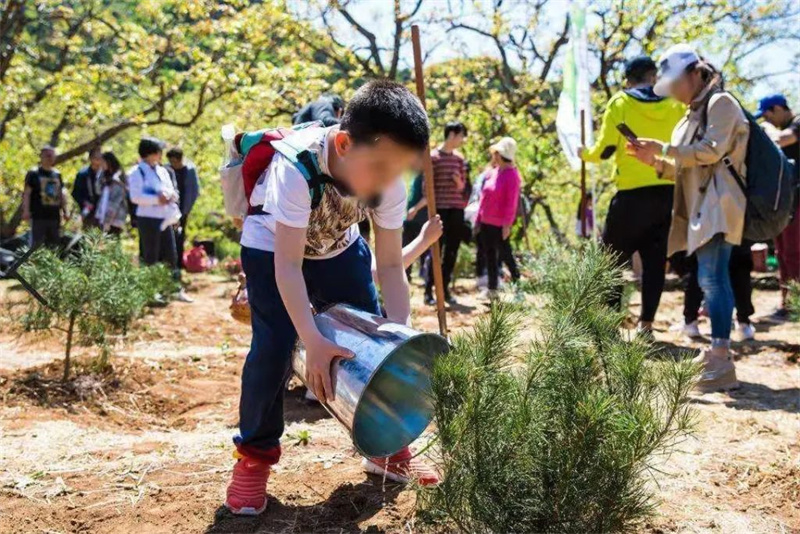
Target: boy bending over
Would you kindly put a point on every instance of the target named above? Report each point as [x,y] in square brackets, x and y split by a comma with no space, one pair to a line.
[301,248]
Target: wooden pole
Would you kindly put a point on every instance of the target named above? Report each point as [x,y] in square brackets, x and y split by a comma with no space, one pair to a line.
[583,176]
[427,167]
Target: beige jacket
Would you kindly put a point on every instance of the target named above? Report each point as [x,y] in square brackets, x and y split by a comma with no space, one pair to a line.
[708,201]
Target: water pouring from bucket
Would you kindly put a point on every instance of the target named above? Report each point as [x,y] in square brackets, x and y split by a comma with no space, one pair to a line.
[383,393]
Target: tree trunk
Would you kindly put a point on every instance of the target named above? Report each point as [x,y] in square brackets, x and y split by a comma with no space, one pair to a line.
[70,330]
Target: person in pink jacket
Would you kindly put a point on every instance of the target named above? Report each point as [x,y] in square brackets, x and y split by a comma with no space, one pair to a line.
[498,204]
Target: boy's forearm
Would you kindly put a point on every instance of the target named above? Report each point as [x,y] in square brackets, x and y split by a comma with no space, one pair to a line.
[392,274]
[396,298]
[292,287]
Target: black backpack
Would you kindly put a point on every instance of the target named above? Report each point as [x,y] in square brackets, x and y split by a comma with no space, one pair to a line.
[771,185]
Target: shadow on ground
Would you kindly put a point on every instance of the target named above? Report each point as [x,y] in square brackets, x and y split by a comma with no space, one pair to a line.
[297,409]
[759,398]
[341,512]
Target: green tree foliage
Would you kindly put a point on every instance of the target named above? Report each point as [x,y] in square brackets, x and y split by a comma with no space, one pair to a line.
[81,72]
[560,438]
[95,292]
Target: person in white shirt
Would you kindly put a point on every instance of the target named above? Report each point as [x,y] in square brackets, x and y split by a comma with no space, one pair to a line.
[156,198]
[302,247]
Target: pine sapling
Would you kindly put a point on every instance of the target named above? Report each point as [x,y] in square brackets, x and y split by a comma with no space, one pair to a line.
[95,292]
[558,436]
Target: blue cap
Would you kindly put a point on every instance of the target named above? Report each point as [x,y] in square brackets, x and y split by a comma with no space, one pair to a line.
[769,102]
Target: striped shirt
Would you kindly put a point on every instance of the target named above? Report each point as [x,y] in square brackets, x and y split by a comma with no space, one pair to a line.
[449,179]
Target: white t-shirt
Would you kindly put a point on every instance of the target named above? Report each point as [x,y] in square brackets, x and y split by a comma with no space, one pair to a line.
[287,199]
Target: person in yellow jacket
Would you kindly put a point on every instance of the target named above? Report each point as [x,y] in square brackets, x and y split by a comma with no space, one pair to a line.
[640,214]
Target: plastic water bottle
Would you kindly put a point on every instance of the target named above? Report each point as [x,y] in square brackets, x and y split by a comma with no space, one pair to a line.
[228,133]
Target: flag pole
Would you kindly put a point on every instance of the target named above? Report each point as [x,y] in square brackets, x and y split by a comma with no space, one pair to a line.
[583,175]
[427,166]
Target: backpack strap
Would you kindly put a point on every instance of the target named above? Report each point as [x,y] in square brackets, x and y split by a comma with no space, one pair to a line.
[305,160]
[726,160]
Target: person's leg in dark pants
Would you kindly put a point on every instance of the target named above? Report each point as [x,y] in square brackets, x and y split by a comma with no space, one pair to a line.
[654,261]
[507,257]
[346,278]
[453,235]
[692,295]
[180,239]
[45,232]
[167,251]
[267,366]
[150,240]
[652,247]
[619,237]
[740,267]
[492,237]
[480,256]
[264,376]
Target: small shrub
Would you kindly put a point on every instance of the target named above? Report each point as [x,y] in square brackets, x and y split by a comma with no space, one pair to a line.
[95,292]
[225,248]
[560,437]
[793,301]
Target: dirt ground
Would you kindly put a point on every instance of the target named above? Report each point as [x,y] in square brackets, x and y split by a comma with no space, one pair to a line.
[147,448]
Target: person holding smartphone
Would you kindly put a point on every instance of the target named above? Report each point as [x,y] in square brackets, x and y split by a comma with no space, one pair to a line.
[639,216]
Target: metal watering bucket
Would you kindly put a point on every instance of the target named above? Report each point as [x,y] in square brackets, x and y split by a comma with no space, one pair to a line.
[383,393]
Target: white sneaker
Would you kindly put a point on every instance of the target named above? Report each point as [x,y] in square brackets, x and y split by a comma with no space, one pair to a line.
[691,330]
[181,296]
[747,331]
[483,281]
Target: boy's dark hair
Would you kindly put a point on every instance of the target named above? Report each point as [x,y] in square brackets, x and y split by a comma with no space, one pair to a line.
[386,108]
[96,150]
[175,152]
[149,146]
[455,127]
[639,69]
[336,101]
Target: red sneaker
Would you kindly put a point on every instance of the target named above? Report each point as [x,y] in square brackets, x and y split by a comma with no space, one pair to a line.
[402,468]
[247,491]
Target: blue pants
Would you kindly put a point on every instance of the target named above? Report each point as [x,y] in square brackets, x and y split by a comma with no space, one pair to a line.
[346,278]
[713,275]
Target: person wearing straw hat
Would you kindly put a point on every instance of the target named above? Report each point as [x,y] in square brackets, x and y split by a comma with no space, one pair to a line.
[497,208]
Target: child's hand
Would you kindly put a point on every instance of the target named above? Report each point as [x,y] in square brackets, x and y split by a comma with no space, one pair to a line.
[320,354]
[432,230]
